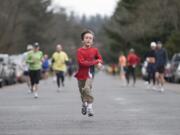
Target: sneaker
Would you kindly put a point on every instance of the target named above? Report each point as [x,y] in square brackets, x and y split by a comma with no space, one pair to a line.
[146,83]
[35,95]
[161,89]
[90,112]
[84,109]
[54,79]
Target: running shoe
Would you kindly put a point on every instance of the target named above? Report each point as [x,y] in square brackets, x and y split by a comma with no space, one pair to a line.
[90,112]
[35,95]
[84,109]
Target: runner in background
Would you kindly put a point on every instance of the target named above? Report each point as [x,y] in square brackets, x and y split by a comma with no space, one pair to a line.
[151,67]
[122,65]
[132,62]
[161,62]
[45,67]
[34,59]
[59,62]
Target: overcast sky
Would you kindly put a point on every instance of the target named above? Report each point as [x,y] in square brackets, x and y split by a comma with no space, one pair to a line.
[88,7]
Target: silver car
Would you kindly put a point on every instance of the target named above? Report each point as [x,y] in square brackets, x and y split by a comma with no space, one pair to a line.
[7,71]
[172,73]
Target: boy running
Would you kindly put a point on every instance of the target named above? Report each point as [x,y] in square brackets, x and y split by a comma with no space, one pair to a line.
[87,56]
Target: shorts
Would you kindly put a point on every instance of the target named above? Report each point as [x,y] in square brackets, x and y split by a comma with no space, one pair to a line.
[160,69]
[35,76]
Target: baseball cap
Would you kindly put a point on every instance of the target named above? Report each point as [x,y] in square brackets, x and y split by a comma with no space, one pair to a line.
[29,47]
[131,50]
[153,44]
[36,45]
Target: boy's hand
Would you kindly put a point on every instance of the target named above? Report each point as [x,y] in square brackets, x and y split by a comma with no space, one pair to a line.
[99,66]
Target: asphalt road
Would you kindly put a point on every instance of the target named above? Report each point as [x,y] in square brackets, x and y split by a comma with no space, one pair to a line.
[118,110]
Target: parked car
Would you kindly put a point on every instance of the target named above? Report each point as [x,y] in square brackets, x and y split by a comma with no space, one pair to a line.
[7,71]
[176,76]
[173,71]
[17,62]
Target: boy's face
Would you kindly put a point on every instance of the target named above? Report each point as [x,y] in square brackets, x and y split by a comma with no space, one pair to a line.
[88,39]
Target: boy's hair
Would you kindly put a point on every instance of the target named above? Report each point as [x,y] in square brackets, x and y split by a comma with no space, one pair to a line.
[85,32]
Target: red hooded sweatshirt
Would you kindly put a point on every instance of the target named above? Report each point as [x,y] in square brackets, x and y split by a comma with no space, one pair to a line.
[132,59]
[86,57]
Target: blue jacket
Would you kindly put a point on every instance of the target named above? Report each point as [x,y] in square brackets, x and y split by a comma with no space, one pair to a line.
[161,56]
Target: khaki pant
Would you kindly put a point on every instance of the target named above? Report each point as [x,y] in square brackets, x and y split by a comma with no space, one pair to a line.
[85,89]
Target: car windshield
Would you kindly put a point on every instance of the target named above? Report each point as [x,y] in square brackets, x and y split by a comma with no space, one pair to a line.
[176,58]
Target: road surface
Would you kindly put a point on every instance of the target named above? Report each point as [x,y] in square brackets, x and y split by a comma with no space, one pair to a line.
[118,110]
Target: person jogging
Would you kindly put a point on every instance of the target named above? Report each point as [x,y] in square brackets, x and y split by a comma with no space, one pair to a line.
[45,67]
[87,56]
[132,62]
[122,64]
[34,59]
[151,67]
[162,59]
[59,61]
